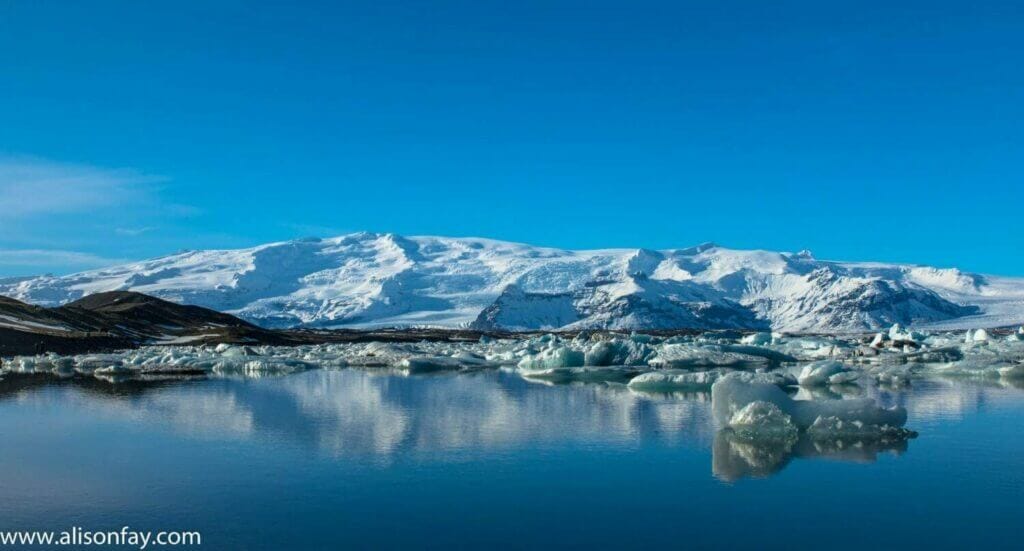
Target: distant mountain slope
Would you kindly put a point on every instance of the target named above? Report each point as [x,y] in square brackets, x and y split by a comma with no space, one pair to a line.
[116,319]
[376,280]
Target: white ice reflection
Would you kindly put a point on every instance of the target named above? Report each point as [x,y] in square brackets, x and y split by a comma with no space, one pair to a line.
[382,415]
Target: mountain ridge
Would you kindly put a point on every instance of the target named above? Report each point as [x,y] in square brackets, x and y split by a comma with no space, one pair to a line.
[118,319]
[366,280]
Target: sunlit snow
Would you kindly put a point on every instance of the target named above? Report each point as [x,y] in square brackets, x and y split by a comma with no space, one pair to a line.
[375,280]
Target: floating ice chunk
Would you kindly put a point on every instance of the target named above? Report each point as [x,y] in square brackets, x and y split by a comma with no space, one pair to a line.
[828,392]
[994,352]
[503,357]
[933,355]
[775,378]
[863,410]
[897,333]
[431,364]
[689,355]
[551,358]
[640,338]
[866,352]
[731,393]
[976,337]
[600,353]
[833,427]
[87,363]
[256,366]
[760,419]
[758,351]
[878,341]
[757,339]
[618,352]
[826,372]
[118,369]
[380,354]
[814,348]
[668,380]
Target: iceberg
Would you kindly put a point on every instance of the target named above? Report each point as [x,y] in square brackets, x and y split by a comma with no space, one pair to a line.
[686,362]
[757,339]
[760,420]
[692,355]
[670,380]
[826,372]
[556,356]
[618,352]
[732,393]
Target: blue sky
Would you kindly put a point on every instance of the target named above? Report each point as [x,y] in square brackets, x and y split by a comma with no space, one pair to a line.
[859,130]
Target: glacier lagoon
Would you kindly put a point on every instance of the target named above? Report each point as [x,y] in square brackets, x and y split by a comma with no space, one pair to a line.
[705,441]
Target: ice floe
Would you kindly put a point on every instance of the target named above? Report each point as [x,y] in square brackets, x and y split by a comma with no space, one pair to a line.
[646,362]
[763,420]
[826,372]
[734,392]
[668,380]
[773,396]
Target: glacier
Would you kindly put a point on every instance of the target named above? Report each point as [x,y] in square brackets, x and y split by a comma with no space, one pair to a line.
[367,280]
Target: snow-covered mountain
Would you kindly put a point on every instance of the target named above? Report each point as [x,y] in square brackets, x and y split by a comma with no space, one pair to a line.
[368,279]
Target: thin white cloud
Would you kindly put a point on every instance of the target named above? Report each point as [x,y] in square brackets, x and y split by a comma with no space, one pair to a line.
[49,258]
[30,186]
[179,210]
[66,217]
[133,232]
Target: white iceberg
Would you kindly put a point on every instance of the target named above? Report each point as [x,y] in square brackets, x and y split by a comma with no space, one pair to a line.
[732,393]
[553,357]
[826,372]
[691,355]
[669,380]
[759,419]
[757,339]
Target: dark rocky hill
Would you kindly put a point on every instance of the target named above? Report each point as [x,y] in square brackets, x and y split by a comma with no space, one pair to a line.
[119,319]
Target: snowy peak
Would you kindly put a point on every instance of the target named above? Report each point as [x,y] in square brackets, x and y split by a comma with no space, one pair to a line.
[371,279]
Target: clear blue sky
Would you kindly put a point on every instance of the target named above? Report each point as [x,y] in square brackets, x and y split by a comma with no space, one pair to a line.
[860,130]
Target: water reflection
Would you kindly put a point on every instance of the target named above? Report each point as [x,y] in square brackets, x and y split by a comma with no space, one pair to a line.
[383,416]
[733,457]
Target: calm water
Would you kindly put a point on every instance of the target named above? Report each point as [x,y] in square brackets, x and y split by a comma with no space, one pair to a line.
[361,459]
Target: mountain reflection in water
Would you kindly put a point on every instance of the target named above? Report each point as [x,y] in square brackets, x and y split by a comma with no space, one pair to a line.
[381,415]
